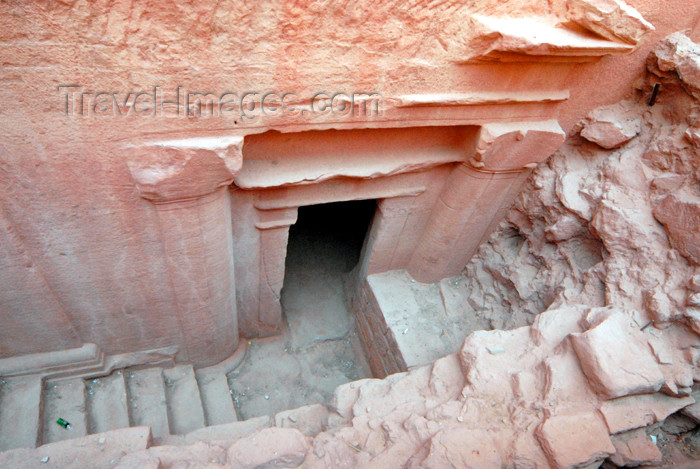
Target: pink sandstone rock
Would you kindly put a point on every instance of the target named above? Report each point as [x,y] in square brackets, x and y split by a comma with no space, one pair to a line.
[568,446]
[629,413]
[310,420]
[678,54]
[635,448]
[200,453]
[509,381]
[612,126]
[184,169]
[271,447]
[515,145]
[463,448]
[615,361]
[612,19]
[681,218]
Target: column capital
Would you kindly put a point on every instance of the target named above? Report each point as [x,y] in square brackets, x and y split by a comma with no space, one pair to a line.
[514,146]
[173,170]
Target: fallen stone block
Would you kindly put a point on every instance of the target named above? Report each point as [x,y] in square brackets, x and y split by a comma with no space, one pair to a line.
[229,431]
[575,440]
[629,413]
[271,447]
[635,448]
[611,126]
[615,361]
[677,53]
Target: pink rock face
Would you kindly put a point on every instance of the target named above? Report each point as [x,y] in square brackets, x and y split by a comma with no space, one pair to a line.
[99,450]
[603,349]
[681,218]
[87,258]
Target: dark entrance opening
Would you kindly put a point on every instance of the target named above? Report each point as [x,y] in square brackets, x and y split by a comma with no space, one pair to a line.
[324,245]
[329,236]
[320,349]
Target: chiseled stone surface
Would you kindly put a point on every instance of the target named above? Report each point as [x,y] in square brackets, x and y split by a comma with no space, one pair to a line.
[271,447]
[462,447]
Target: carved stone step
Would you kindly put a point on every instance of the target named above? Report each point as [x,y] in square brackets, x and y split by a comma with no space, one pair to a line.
[185,410]
[107,403]
[216,398]
[66,400]
[20,412]
[147,403]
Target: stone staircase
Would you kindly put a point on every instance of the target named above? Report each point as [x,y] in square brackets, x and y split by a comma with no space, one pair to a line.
[172,401]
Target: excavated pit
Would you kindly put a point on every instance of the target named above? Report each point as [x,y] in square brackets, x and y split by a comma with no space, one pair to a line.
[319,347]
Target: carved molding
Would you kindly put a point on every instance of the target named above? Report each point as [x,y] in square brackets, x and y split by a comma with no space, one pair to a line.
[515,146]
[185,169]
